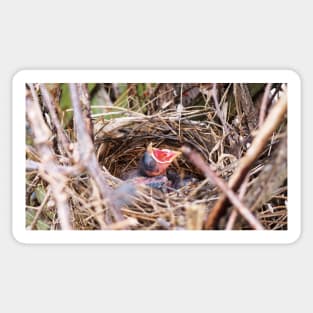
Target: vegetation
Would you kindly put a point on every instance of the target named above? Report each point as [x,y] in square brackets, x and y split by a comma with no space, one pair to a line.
[83,139]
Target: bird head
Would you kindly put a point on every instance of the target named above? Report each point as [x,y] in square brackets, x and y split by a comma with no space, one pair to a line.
[155,161]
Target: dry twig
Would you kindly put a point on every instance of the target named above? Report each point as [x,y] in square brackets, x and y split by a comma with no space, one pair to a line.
[219,112]
[264,104]
[85,103]
[234,213]
[48,167]
[121,137]
[198,161]
[87,153]
[50,105]
[264,133]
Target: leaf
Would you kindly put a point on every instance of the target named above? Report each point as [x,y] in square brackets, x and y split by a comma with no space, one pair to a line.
[40,193]
[40,225]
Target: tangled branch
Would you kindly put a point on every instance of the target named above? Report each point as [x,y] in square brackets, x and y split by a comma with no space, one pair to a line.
[48,167]
[272,121]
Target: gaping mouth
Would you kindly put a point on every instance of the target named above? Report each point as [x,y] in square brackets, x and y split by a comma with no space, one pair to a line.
[163,155]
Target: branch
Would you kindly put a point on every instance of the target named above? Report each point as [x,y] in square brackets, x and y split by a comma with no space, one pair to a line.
[243,96]
[264,104]
[199,162]
[48,168]
[271,177]
[219,112]
[74,170]
[50,105]
[272,121]
[234,213]
[85,102]
[87,154]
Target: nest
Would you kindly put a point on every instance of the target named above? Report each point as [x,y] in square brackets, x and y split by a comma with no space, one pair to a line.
[121,154]
[121,135]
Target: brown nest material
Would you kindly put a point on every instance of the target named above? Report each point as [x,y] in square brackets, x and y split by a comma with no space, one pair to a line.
[221,140]
[121,154]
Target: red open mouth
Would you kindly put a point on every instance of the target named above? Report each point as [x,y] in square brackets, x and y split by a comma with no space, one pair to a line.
[163,155]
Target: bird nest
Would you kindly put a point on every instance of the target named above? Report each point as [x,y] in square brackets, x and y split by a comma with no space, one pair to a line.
[119,150]
[219,134]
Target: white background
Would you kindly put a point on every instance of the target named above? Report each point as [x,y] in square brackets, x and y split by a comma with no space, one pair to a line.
[160,34]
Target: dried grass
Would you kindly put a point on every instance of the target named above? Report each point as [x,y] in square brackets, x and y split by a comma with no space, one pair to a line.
[121,136]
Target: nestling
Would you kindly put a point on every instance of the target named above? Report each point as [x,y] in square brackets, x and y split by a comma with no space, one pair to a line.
[155,161]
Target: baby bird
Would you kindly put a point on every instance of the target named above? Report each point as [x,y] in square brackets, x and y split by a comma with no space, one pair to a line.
[155,162]
[152,168]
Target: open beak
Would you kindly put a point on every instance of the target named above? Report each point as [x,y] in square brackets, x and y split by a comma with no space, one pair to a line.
[163,156]
[156,161]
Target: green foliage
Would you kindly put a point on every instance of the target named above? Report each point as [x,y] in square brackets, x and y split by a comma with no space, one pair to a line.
[91,86]
[40,225]
[65,104]
[40,193]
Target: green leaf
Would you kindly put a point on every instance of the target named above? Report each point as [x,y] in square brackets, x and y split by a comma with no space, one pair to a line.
[40,225]
[40,193]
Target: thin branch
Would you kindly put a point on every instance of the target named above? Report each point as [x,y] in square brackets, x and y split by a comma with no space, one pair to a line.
[244,99]
[233,215]
[272,121]
[106,97]
[50,105]
[199,162]
[115,90]
[87,154]
[74,170]
[277,90]
[270,179]
[32,165]
[85,102]
[220,114]
[264,104]
[48,169]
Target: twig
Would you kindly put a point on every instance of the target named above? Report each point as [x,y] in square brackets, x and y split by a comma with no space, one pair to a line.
[234,213]
[85,101]
[87,154]
[264,104]
[218,109]
[50,105]
[32,165]
[74,170]
[115,90]
[199,162]
[277,89]
[250,113]
[99,216]
[179,110]
[272,121]
[106,97]
[48,168]
[271,177]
